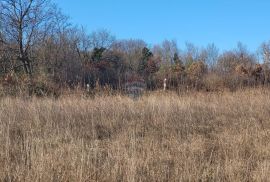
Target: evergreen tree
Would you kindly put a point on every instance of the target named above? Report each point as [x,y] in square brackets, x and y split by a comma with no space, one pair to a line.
[97,54]
[176,59]
[143,64]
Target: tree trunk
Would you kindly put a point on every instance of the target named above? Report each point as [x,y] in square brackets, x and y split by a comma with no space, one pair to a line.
[26,66]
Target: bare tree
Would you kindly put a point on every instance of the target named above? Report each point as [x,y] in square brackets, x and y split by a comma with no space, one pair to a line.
[166,51]
[1,28]
[22,21]
[211,53]
[101,39]
[169,49]
[264,51]
[132,50]
[190,54]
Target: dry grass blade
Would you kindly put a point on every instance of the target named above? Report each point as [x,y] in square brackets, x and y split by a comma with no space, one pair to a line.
[161,137]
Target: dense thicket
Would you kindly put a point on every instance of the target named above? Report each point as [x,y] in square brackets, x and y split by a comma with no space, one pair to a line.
[40,49]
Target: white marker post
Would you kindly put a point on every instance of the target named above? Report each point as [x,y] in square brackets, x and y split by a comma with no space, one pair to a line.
[165,84]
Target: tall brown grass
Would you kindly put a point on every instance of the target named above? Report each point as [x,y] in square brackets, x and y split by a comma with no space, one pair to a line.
[161,137]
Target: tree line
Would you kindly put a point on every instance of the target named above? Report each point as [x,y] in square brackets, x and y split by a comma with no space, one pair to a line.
[40,49]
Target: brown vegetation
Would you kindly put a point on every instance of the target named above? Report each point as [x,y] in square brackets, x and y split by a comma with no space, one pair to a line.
[37,40]
[161,137]
[46,135]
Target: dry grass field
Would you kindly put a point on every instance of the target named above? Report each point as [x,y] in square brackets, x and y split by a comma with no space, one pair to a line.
[161,137]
